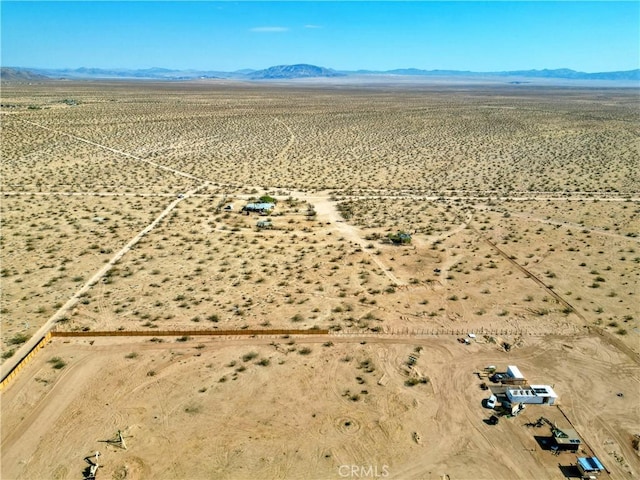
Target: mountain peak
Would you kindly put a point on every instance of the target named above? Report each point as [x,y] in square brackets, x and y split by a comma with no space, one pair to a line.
[300,70]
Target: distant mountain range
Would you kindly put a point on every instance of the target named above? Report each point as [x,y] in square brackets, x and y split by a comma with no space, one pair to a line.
[20,75]
[288,72]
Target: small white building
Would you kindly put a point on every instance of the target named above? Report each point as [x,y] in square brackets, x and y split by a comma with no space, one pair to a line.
[514,376]
[589,467]
[536,394]
[514,372]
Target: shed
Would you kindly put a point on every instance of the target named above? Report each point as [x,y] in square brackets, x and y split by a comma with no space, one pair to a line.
[566,439]
[589,466]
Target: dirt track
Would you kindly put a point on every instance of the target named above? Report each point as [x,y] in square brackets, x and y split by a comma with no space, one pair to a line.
[25,348]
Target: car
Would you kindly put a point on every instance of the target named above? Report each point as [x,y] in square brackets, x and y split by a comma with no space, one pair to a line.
[493,420]
[491,401]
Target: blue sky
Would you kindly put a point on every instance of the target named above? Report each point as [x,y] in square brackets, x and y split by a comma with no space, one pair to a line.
[480,36]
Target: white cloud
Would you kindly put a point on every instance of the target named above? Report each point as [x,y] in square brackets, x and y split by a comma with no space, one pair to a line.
[269,29]
[312,26]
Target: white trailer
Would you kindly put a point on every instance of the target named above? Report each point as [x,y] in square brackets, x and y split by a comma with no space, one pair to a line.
[534,394]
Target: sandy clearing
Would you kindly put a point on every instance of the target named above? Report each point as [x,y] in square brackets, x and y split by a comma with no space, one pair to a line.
[326,210]
[254,426]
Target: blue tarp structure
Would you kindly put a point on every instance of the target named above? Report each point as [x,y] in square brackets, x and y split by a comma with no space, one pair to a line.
[590,464]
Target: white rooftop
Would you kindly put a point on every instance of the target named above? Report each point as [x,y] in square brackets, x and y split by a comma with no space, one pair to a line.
[544,391]
[532,391]
[514,372]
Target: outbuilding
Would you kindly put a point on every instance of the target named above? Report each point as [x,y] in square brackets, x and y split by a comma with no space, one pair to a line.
[589,466]
[514,376]
[566,439]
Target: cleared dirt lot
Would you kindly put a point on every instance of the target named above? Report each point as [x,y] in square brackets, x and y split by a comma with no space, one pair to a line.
[121,211]
[215,408]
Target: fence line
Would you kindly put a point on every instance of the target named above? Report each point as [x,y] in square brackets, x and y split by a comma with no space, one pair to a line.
[180,333]
[406,331]
[139,333]
[218,333]
[25,360]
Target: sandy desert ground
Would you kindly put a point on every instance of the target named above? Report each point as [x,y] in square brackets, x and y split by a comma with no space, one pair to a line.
[291,408]
[121,211]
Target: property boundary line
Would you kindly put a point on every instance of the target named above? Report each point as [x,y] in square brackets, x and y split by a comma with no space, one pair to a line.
[417,332]
[180,333]
[138,333]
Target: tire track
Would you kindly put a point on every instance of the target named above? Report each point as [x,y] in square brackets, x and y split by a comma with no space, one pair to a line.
[325,207]
[292,138]
[119,152]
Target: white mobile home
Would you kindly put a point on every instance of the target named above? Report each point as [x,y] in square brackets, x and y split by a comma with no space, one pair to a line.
[540,394]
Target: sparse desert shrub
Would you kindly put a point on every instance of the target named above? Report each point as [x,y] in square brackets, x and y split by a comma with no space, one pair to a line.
[410,382]
[18,339]
[249,356]
[8,353]
[57,363]
[193,408]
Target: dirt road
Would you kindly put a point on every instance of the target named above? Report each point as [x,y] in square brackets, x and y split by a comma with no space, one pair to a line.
[26,347]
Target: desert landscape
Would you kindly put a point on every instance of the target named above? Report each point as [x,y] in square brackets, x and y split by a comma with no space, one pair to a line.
[417,235]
